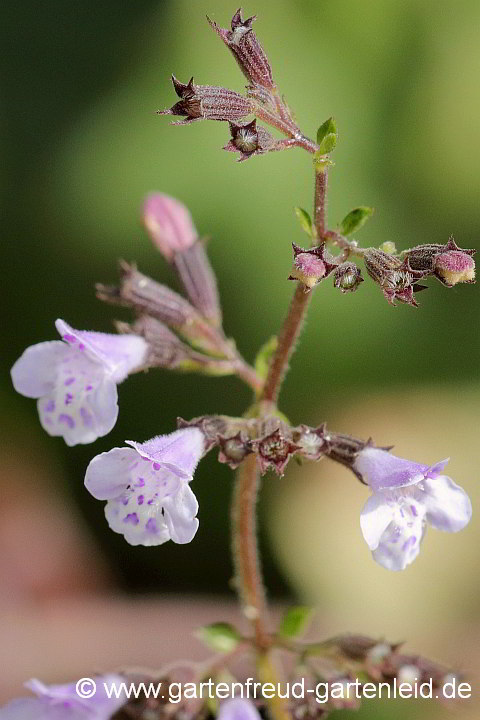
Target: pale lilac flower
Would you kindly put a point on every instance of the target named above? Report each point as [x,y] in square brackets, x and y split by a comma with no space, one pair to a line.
[169,224]
[146,485]
[238,709]
[63,702]
[406,495]
[75,381]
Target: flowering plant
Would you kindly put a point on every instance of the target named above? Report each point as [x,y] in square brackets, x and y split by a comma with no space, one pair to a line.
[147,485]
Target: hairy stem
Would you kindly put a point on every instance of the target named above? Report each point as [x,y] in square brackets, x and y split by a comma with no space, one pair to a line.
[286,343]
[245,551]
[296,314]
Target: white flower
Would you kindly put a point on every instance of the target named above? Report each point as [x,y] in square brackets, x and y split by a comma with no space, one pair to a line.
[146,485]
[406,495]
[75,381]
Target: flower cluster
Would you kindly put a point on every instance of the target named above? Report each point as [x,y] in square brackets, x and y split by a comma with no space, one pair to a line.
[147,486]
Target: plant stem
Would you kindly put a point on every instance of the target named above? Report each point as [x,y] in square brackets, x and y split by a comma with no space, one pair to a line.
[296,314]
[245,551]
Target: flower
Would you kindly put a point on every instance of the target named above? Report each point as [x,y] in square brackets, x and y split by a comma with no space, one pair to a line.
[65,702]
[238,709]
[169,224]
[75,381]
[406,495]
[146,485]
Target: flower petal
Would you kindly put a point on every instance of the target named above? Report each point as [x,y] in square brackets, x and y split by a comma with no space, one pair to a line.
[109,474]
[382,470]
[448,505]
[399,544]
[375,517]
[82,411]
[34,374]
[179,451]
[180,510]
[397,552]
[120,354]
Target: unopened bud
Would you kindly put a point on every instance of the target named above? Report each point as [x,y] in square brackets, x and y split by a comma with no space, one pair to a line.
[449,263]
[247,51]
[389,247]
[454,267]
[311,266]
[169,224]
[347,277]
[208,102]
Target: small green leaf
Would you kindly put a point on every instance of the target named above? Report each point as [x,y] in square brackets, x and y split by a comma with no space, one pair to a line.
[328,144]
[295,621]
[264,355]
[305,220]
[355,219]
[221,637]
[329,127]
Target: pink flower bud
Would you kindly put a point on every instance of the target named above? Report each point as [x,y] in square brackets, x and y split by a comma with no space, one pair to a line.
[169,224]
[311,266]
[455,266]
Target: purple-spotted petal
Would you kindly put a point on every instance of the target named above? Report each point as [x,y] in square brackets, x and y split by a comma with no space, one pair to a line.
[109,474]
[375,517]
[382,470]
[83,406]
[179,451]
[120,354]
[238,709]
[35,372]
[180,510]
[399,544]
[397,551]
[447,504]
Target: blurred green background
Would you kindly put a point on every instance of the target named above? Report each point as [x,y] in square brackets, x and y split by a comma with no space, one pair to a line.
[82,147]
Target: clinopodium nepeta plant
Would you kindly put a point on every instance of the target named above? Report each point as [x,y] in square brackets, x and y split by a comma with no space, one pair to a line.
[147,486]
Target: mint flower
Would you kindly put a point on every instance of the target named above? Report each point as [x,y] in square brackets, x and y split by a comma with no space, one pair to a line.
[146,485]
[406,495]
[62,702]
[75,381]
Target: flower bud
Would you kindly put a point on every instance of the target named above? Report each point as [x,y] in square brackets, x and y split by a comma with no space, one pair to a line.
[247,51]
[454,267]
[169,224]
[208,102]
[449,263]
[311,266]
[347,277]
[146,296]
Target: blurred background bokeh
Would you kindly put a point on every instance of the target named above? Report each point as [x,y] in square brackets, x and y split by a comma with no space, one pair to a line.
[82,146]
